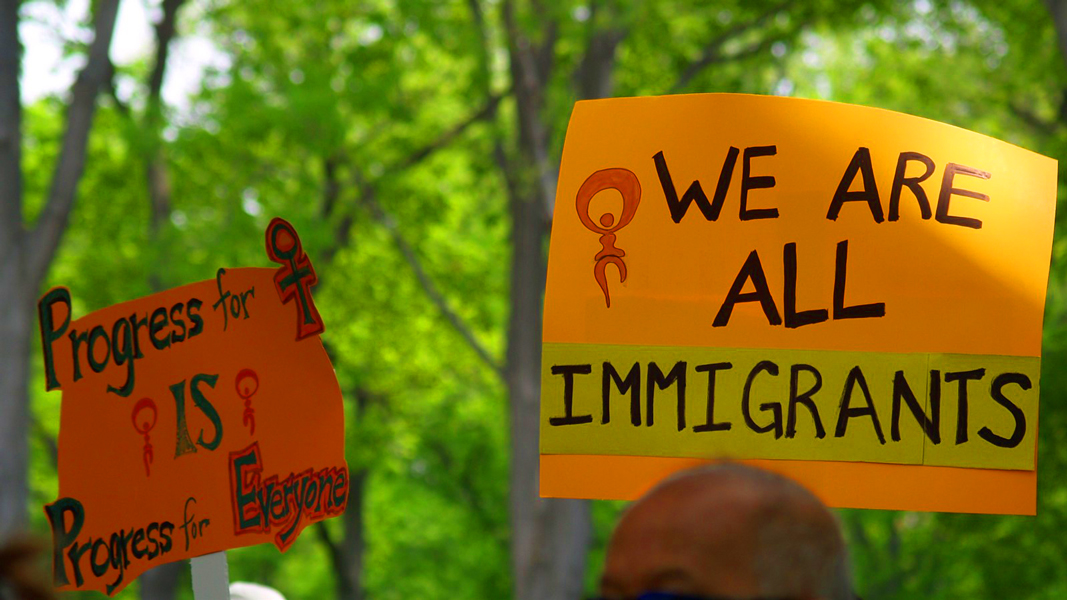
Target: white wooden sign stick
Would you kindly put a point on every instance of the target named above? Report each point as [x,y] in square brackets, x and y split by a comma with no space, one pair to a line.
[211,577]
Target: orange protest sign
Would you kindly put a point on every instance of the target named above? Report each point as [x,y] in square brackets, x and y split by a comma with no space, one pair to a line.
[822,288]
[194,420]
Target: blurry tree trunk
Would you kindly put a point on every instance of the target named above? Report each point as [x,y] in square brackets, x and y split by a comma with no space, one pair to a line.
[350,580]
[346,555]
[156,174]
[27,253]
[159,583]
[550,537]
[1058,11]
[16,307]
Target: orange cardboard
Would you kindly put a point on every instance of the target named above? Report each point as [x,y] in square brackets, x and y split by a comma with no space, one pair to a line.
[193,420]
[811,229]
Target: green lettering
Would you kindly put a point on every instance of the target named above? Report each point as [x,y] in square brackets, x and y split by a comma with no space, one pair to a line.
[158,322]
[122,350]
[62,535]
[49,332]
[208,409]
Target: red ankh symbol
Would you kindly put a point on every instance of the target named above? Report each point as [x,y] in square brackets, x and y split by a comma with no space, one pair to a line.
[296,276]
[247,384]
[144,427]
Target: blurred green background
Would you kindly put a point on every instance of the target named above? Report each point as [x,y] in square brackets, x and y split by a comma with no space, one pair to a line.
[415,146]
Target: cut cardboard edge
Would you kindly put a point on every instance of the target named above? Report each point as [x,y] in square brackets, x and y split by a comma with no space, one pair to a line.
[838,484]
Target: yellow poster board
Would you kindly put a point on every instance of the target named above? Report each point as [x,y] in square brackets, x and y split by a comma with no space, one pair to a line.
[850,296]
[194,420]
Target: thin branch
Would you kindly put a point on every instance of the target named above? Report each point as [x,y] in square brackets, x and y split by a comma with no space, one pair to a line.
[71,164]
[499,153]
[430,287]
[593,75]
[712,53]
[478,16]
[894,541]
[545,53]
[165,32]
[159,189]
[367,192]
[463,488]
[530,67]
[859,534]
[487,111]
[890,585]
[1038,124]
[166,29]
[757,47]
[112,90]
[331,193]
[331,189]
[336,557]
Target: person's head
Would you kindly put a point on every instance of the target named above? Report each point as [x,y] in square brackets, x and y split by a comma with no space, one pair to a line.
[728,531]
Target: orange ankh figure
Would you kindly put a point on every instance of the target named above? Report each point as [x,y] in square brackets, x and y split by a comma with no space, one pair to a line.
[626,183]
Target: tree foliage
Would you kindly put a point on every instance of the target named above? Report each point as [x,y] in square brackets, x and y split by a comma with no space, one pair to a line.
[401,139]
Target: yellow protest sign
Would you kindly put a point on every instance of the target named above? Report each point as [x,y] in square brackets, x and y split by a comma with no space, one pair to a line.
[805,284]
[194,420]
